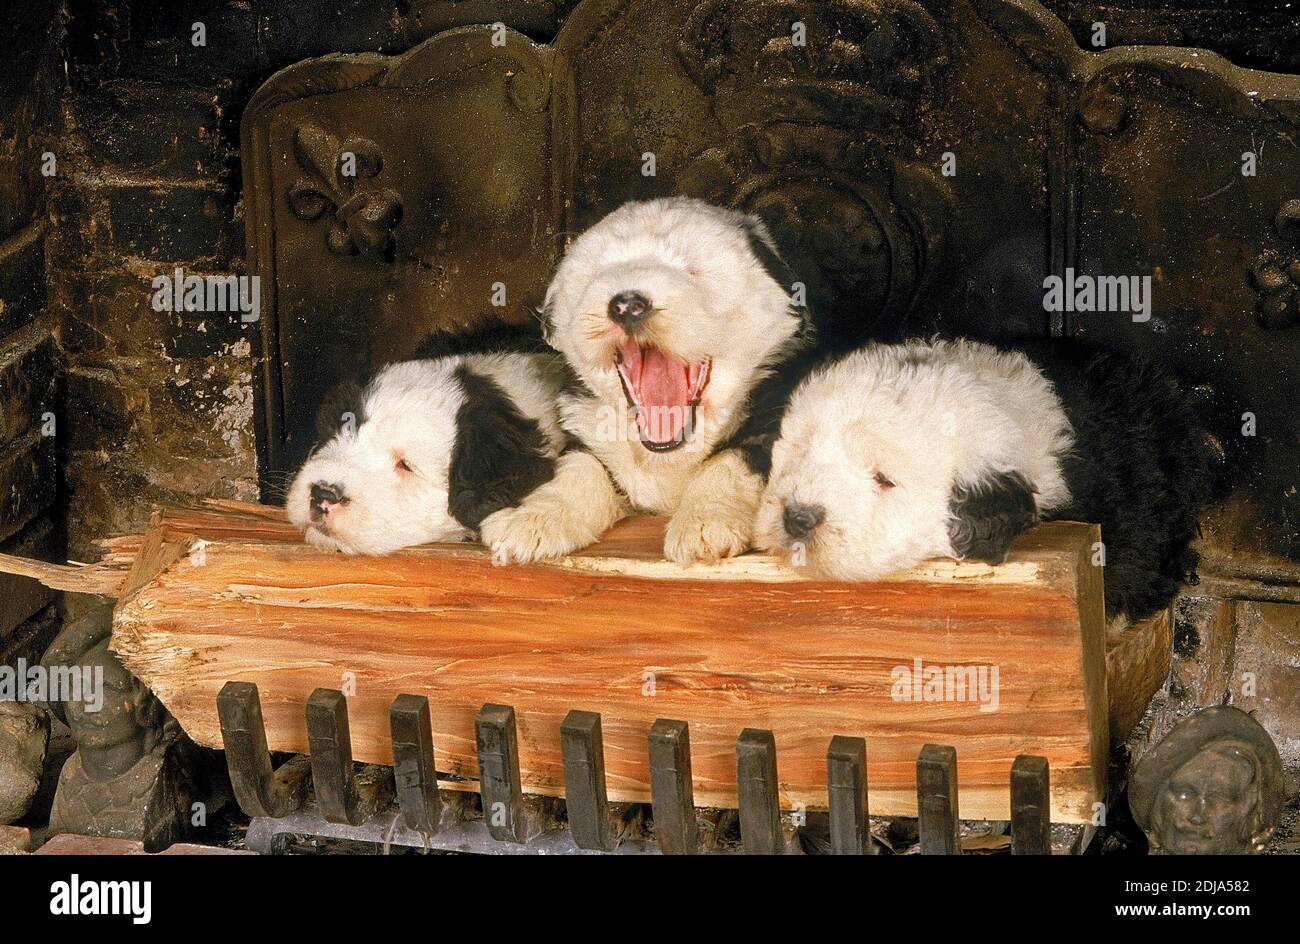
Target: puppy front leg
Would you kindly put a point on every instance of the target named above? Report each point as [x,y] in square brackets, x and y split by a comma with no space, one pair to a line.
[569,512]
[716,516]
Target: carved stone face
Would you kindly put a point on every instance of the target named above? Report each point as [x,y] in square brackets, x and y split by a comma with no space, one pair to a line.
[1210,804]
[1212,785]
[113,738]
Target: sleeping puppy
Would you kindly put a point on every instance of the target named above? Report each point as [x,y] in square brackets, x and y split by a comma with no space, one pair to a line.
[429,449]
[898,453]
[672,315]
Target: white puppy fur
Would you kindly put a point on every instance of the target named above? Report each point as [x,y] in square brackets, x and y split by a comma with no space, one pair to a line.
[717,322]
[571,511]
[880,442]
[391,464]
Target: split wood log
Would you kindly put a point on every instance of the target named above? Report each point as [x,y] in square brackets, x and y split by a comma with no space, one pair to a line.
[1137,665]
[228,592]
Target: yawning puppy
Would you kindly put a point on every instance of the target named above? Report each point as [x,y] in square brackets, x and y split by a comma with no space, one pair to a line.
[670,314]
[898,453]
[428,451]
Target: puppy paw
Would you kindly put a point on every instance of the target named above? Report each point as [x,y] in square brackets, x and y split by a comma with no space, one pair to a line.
[530,533]
[708,535]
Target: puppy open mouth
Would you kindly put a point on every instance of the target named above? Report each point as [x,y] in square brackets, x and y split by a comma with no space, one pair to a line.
[662,391]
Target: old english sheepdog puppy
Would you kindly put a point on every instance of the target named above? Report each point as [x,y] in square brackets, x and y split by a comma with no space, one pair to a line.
[430,449]
[898,453]
[672,315]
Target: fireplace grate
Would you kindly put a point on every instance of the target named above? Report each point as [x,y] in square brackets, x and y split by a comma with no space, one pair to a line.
[403,806]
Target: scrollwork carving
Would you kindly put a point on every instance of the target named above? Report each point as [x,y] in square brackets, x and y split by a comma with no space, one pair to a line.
[875,57]
[1103,107]
[1276,273]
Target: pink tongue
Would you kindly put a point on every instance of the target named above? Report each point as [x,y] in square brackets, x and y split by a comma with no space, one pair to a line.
[664,389]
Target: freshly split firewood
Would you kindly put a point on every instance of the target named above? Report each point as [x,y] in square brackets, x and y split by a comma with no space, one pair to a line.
[228,592]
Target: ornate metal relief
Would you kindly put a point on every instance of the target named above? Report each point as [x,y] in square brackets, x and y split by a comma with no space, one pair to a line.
[385,197]
[361,217]
[1277,273]
[850,62]
[812,102]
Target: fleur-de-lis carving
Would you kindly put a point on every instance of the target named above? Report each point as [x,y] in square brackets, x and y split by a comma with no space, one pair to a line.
[1277,273]
[361,217]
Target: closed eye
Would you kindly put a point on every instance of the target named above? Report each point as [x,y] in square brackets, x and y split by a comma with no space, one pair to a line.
[403,466]
[883,480]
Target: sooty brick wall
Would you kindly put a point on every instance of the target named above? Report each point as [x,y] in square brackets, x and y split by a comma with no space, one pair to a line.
[30,76]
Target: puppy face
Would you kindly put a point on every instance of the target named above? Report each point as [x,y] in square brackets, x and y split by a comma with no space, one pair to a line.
[381,481]
[893,455]
[851,497]
[431,449]
[673,306]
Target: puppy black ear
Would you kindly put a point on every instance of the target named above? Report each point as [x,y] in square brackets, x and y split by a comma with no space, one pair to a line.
[342,404]
[499,456]
[986,516]
[488,336]
[763,246]
[764,249]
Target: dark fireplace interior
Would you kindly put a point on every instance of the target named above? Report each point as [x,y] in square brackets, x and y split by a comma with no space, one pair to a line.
[929,179]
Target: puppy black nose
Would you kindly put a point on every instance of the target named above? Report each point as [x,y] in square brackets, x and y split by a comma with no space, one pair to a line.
[324,495]
[800,520]
[629,309]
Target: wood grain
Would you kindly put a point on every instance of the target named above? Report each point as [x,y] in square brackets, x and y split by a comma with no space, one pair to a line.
[72,577]
[1137,665]
[616,630]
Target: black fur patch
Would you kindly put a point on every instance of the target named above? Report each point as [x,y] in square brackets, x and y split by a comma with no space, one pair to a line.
[763,247]
[766,402]
[499,456]
[989,515]
[490,336]
[765,408]
[344,399]
[1142,468]
[571,385]
[760,244]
